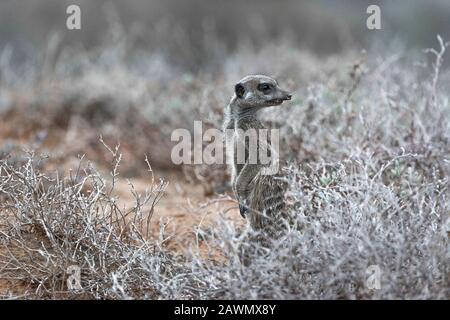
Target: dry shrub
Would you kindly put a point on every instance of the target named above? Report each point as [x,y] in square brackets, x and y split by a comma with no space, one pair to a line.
[51,223]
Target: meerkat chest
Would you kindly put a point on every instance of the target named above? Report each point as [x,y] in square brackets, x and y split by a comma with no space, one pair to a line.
[249,129]
[249,139]
[255,144]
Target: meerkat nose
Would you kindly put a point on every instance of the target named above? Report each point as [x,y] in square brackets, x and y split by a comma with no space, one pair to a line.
[288,96]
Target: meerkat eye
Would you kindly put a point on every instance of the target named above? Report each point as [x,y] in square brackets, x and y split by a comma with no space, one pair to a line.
[264,87]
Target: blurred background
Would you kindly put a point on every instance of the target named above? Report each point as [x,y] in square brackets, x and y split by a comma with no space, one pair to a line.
[197,34]
[139,69]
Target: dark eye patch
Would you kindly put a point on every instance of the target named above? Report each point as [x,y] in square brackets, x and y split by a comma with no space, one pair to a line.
[264,87]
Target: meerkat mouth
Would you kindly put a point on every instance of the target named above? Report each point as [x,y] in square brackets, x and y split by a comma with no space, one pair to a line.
[276,101]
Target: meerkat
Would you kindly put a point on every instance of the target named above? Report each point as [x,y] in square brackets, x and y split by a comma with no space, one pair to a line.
[260,196]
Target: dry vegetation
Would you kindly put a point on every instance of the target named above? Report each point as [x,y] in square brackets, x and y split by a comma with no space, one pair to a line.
[366,144]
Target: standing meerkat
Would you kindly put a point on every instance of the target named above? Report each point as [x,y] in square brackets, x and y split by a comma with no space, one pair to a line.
[260,196]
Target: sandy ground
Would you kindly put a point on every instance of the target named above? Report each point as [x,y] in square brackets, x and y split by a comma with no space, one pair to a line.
[182,209]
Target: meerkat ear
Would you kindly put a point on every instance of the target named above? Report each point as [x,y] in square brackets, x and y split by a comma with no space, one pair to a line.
[239,90]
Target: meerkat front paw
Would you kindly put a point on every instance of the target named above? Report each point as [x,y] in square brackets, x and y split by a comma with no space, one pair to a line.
[243,210]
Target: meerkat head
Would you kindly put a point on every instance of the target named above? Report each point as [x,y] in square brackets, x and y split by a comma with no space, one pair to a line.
[259,91]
